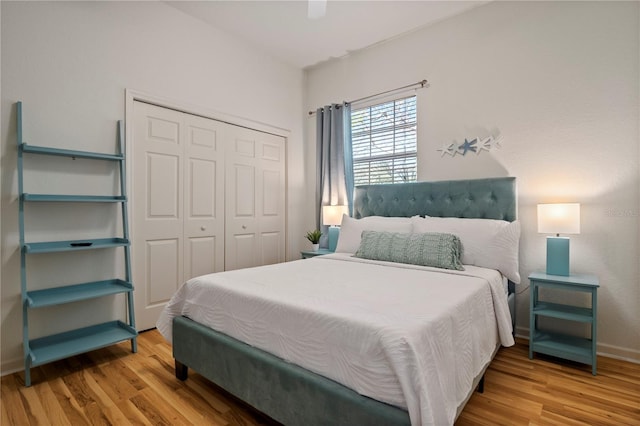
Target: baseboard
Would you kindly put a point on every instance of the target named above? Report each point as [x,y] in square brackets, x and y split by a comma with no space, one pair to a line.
[522,333]
[603,349]
[11,366]
[617,352]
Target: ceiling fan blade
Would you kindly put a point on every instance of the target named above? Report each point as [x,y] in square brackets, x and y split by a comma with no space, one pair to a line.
[316,9]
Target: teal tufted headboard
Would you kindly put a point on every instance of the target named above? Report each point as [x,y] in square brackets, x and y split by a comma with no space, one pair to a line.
[490,198]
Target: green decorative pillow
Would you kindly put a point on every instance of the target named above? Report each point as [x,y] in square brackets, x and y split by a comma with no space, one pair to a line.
[428,249]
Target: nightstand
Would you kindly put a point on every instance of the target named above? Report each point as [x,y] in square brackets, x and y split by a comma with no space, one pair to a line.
[557,344]
[310,253]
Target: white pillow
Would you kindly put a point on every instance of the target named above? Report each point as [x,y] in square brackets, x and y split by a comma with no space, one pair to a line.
[351,229]
[487,243]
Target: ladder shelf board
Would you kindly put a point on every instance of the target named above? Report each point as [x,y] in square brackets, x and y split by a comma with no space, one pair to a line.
[69,153]
[51,348]
[557,310]
[76,292]
[57,246]
[74,198]
[564,346]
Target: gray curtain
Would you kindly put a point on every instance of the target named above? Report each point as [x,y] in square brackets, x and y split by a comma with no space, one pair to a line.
[334,163]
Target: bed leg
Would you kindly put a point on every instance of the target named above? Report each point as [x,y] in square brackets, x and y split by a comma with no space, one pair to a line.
[181,370]
[480,384]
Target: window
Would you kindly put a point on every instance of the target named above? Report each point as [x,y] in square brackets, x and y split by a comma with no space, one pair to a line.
[384,142]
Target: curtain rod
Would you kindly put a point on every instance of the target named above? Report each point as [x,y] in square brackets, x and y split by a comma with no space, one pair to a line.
[422,84]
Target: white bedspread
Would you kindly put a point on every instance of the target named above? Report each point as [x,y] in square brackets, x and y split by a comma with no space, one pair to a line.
[410,336]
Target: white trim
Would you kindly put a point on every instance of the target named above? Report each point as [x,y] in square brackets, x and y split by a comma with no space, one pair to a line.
[522,333]
[617,352]
[136,95]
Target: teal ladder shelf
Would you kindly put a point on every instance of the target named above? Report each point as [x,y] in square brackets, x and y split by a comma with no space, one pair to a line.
[46,349]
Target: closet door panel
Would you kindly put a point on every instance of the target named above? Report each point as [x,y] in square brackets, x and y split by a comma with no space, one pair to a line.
[272,219]
[271,248]
[242,250]
[271,195]
[244,191]
[255,199]
[203,254]
[242,239]
[162,270]
[158,204]
[204,196]
[161,187]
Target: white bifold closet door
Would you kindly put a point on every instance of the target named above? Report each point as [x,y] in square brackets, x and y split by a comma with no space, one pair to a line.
[196,183]
[255,199]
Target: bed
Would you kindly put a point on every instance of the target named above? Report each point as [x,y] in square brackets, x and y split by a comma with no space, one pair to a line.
[346,340]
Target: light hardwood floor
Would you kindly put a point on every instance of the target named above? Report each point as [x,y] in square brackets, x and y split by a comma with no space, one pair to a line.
[114,386]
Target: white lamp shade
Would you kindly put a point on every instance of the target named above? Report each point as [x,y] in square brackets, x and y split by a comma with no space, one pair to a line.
[332,215]
[561,218]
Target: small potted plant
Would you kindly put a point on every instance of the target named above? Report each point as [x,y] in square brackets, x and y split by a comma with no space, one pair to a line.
[314,237]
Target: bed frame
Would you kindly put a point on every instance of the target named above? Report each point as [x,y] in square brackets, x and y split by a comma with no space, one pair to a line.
[295,396]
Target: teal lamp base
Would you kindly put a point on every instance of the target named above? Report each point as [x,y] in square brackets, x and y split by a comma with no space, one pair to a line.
[558,256]
[334,233]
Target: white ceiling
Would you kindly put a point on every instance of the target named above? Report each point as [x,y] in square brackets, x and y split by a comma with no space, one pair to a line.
[283,29]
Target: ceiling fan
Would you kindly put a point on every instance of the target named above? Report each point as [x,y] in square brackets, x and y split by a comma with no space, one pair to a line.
[316,9]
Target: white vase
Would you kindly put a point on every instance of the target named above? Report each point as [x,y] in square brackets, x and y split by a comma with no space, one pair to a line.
[316,247]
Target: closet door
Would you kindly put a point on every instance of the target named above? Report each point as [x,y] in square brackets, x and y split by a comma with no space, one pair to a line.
[255,199]
[203,197]
[157,201]
[177,199]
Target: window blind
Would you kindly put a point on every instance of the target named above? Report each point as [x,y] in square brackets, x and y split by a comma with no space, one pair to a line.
[384,142]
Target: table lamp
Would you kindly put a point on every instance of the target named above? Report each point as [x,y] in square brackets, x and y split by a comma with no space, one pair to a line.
[332,216]
[558,219]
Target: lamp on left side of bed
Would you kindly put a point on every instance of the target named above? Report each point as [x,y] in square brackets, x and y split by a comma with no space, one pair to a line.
[332,217]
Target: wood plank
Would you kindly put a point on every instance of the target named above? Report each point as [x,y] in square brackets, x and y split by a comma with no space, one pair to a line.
[494,412]
[134,416]
[77,386]
[13,412]
[155,408]
[51,406]
[117,380]
[33,406]
[224,399]
[114,386]
[549,418]
[608,399]
[72,410]
[96,415]
[104,407]
[159,377]
[202,386]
